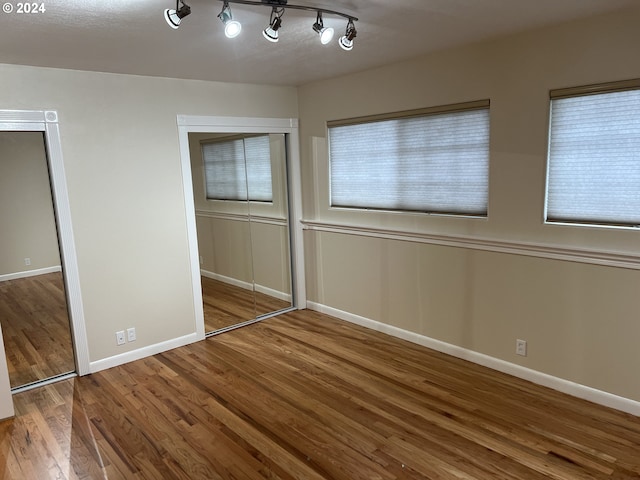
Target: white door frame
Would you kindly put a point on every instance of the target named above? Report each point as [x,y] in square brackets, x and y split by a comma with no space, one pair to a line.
[212,124]
[47,122]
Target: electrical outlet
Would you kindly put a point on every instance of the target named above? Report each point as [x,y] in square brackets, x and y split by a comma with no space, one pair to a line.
[120,337]
[27,261]
[521,347]
[131,334]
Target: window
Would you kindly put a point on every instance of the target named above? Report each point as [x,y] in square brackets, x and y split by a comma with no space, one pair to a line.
[593,174]
[434,160]
[232,167]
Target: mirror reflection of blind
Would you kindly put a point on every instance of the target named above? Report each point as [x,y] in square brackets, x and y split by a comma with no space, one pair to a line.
[224,169]
[432,163]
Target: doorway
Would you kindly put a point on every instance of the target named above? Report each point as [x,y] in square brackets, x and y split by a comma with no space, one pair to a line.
[41,312]
[245,238]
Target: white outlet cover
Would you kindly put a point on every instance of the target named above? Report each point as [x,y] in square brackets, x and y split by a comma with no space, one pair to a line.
[521,347]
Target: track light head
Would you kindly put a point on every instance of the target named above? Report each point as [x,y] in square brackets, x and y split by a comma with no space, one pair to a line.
[271,32]
[346,41]
[175,16]
[326,34]
[232,27]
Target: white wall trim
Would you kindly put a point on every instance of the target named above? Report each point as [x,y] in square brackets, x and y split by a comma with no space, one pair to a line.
[242,218]
[67,241]
[273,293]
[47,121]
[30,273]
[215,124]
[565,386]
[231,281]
[247,285]
[144,352]
[610,259]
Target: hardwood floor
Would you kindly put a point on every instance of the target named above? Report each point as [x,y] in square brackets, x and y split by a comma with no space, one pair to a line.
[35,327]
[226,305]
[305,396]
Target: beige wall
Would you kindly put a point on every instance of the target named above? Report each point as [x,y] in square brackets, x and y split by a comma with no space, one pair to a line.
[580,320]
[27,222]
[120,145]
[270,258]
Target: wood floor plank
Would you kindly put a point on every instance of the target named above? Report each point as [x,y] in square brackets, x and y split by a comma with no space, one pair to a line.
[304,396]
[226,305]
[35,327]
[380,393]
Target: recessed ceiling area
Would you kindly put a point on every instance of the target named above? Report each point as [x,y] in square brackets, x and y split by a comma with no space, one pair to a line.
[131,36]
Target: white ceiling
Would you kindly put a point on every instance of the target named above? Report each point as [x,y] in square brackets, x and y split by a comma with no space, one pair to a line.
[131,36]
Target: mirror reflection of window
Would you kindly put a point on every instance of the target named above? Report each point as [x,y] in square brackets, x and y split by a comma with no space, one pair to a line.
[238,169]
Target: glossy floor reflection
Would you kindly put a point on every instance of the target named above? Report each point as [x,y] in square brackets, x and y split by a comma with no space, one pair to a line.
[51,437]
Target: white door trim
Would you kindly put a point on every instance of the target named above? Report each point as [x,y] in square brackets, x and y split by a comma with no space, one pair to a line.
[46,121]
[213,124]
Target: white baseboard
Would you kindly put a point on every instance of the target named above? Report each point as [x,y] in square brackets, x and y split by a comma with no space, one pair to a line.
[30,273]
[273,293]
[231,281]
[247,285]
[565,386]
[144,352]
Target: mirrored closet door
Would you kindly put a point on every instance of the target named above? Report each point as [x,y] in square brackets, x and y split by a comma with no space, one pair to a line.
[242,222]
[33,301]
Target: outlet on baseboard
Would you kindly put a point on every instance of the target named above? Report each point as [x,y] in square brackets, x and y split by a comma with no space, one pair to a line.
[521,347]
[120,337]
[131,334]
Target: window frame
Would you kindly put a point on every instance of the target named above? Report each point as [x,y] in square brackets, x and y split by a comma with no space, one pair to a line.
[573,92]
[469,106]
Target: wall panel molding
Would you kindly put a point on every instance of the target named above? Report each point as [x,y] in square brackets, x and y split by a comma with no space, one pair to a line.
[595,257]
[242,218]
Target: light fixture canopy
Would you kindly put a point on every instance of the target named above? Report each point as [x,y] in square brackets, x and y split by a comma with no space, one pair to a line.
[326,34]
[232,28]
[174,16]
[346,41]
[271,32]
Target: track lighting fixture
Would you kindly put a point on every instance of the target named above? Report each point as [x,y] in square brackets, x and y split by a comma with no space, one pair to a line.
[232,27]
[175,16]
[326,34]
[346,41]
[271,32]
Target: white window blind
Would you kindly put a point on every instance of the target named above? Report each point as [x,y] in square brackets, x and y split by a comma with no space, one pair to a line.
[233,167]
[431,163]
[594,159]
